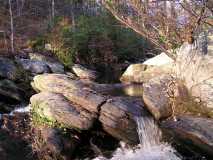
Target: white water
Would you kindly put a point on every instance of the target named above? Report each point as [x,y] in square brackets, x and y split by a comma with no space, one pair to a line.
[150,148]
[19,109]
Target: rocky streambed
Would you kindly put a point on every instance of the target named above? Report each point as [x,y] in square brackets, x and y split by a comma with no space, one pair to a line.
[71,116]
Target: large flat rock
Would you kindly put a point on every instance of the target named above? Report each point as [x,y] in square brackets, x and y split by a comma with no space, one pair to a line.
[73,90]
[118,118]
[193,129]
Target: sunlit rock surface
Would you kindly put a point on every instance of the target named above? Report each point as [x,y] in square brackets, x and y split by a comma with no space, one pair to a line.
[140,73]
[84,73]
[196,71]
[57,83]
[159,60]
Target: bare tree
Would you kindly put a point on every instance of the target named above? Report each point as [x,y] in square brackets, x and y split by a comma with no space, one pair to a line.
[167,24]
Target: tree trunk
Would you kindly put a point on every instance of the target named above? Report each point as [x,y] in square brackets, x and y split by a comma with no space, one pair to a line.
[11,27]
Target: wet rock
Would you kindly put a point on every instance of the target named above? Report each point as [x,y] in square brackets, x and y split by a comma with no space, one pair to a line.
[191,129]
[10,70]
[34,66]
[10,91]
[117,117]
[57,109]
[156,96]
[83,72]
[140,73]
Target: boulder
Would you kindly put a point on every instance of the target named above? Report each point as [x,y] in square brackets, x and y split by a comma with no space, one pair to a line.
[54,65]
[10,70]
[73,90]
[156,97]
[34,66]
[132,71]
[10,92]
[57,109]
[191,129]
[140,73]
[117,116]
[159,60]
[83,72]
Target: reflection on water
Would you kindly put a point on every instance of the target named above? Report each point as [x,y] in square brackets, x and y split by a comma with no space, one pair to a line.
[134,90]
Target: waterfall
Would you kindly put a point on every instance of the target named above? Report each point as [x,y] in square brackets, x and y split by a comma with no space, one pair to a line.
[150,148]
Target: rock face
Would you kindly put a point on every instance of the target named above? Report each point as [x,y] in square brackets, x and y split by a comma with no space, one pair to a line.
[10,70]
[196,70]
[197,130]
[140,73]
[56,108]
[117,117]
[156,98]
[83,72]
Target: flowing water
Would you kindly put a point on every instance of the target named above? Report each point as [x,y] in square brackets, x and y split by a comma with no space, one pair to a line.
[150,148]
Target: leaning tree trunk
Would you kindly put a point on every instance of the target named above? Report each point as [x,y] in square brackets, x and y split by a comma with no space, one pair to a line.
[53,10]
[11,27]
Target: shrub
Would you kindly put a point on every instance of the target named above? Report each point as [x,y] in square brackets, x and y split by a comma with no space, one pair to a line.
[95,41]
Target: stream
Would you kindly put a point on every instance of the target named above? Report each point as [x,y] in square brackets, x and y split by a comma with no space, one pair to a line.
[150,148]
[152,144]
